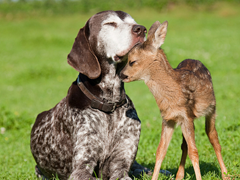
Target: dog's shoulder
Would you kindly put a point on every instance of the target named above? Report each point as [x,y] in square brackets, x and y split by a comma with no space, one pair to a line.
[45,117]
[74,101]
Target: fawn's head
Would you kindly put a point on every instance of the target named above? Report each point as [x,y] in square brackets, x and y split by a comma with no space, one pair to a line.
[143,55]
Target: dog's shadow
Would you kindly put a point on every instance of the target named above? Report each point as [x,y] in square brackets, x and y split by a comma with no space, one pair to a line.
[205,168]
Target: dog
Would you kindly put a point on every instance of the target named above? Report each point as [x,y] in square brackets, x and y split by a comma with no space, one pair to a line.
[94,131]
[182,95]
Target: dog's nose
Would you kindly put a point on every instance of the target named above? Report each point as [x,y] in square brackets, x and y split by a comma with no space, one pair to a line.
[139,30]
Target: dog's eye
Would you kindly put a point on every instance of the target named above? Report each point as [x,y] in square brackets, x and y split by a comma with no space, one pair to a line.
[131,63]
[111,24]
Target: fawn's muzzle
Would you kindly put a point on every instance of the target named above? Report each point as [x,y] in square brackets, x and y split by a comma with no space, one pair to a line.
[123,76]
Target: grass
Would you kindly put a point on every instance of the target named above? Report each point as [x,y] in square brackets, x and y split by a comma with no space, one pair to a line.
[34,76]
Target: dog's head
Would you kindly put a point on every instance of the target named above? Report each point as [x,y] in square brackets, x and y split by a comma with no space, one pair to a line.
[106,35]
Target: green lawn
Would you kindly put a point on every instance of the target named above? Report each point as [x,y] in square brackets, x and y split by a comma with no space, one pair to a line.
[34,76]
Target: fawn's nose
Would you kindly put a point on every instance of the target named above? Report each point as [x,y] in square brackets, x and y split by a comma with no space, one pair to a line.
[139,30]
[123,76]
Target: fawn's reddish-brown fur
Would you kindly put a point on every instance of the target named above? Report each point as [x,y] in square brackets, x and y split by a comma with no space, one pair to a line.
[182,94]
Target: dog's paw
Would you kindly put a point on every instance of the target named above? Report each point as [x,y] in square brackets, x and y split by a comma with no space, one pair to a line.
[138,170]
[39,175]
[126,178]
[165,172]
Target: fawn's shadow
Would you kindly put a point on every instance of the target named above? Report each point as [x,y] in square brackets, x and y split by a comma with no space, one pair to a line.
[205,168]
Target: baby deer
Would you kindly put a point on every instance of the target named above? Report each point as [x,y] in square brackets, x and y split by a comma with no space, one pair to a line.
[182,94]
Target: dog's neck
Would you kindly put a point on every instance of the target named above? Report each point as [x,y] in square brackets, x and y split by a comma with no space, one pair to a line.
[111,84]
[108,86]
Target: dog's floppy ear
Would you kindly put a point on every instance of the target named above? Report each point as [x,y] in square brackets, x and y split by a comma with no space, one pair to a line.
[81,57]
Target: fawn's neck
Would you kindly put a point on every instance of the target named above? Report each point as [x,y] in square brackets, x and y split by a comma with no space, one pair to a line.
[162,83]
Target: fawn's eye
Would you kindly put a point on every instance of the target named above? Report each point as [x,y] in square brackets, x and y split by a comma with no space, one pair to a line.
[111,24]
[131,63]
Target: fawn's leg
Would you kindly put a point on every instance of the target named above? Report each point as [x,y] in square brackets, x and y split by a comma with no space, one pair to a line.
[166,135]
[180,173]
[188,133]
[213,138]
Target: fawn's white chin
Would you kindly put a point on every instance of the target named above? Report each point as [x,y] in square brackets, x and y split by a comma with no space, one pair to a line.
[126,80]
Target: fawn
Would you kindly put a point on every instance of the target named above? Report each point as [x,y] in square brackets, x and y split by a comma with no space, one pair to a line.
[182,94]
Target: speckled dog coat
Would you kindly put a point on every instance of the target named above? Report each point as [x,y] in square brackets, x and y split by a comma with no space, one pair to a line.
[74,140]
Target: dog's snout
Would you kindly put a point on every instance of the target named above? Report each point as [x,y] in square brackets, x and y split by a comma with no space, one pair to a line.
[139,30]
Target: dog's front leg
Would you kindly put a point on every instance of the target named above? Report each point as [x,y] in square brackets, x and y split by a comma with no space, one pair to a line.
[85,158]
[123,155]
[124,177]
[119,170]
[126,145]
[82,173]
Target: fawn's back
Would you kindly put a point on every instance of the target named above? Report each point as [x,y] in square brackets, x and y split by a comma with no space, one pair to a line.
[196,85]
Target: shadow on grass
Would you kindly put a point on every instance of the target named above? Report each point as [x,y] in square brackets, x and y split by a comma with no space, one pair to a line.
[205,168]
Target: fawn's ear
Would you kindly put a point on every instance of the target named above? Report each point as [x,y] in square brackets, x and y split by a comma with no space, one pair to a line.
[159,35]
[153,29]
[151,32]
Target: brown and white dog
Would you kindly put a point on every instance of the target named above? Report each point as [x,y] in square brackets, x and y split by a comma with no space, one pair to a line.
[94,130]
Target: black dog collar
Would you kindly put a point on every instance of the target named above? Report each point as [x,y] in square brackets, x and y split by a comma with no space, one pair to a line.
[97,103]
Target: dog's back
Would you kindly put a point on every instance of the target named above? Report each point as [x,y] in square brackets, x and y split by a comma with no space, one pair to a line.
[51,142]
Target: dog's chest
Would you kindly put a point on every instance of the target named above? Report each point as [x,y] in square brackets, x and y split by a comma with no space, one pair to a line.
[105,133]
